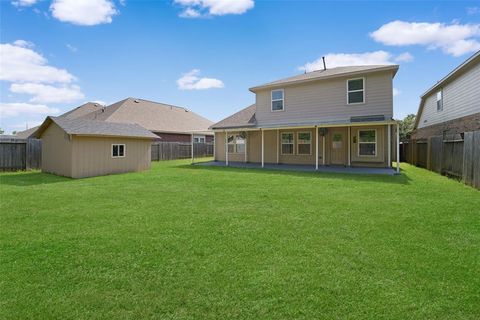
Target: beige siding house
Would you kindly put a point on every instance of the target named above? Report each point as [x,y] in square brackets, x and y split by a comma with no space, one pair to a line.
[79,148]
[340,116]
[452,105]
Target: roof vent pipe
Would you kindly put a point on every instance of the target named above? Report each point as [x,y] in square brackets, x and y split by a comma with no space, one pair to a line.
[324,64]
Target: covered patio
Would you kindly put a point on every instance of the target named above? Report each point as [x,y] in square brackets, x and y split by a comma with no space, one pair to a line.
[304,168]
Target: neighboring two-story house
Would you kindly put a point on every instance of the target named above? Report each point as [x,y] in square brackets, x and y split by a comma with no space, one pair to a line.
[339,116]
[452,105]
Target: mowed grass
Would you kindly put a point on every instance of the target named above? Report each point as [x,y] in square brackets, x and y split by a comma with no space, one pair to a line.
[183,242]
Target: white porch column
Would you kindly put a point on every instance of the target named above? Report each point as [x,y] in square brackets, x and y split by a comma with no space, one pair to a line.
[278,146]
[316,148]
[349,148]
[389,141]
[246,146]
[263,150]
[193,156]
[226,148]
[214,143]
[323,149]
[398,148]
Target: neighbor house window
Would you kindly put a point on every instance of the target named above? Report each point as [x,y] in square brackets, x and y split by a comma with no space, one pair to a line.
[287,143]
[304,143]
[199,139]
[367,143]
[356,91]
[118,150]
[277,100]
[236,143]
[439,100]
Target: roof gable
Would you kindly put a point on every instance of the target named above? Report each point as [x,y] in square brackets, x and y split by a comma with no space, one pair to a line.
[242,118]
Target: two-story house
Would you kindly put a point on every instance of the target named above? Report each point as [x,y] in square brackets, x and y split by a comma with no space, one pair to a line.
[340,116]
[451,106]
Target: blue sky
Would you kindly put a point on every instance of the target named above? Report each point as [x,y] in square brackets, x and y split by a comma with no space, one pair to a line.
[205,54]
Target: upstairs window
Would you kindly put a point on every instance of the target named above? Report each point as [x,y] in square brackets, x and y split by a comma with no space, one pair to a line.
[304,143]
[367,143]
[287,143]
[118,150]
[356,91]
[439,100]
[277,100]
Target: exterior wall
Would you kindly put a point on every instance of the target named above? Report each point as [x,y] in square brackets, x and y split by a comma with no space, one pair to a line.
[56,151]
[219,146]
[179,137]
[92,156]
[460,98]
[460,125]
[326,101]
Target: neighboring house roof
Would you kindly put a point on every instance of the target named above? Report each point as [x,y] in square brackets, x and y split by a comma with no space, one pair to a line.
[82,110]
[154,116]
[25,133]
[327,74]
[475,58]
[243,118]
[95,128]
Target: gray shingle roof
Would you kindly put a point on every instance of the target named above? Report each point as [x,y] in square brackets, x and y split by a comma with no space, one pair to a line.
[326,74]
[82,110]
[243,118]
[96,128]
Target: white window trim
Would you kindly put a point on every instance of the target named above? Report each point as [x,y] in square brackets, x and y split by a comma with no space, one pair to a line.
[281,144]
[436,100]
[124,150]
[376,144]
[272,100]
[364,90]
[298,143]
[234,143]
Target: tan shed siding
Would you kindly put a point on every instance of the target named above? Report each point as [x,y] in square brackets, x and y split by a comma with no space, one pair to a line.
[56,151]
[92,156]
[461,98]
[326,100]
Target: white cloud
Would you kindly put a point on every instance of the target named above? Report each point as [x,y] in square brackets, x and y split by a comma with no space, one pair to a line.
[473,10]
[84,12]
[48,94]
[333,60]
[404,57]
[454,39]
[214,7]
[71,48]
[25,109]
[21,64]
[23,44]
[396,92]
[191,81]
[24,3]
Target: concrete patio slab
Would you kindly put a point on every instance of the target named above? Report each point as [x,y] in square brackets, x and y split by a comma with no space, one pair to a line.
[304,168]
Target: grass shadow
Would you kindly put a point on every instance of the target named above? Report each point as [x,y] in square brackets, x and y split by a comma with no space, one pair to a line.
[391,179]
[29,178]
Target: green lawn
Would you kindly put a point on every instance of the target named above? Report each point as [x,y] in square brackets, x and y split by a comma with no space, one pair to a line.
[183,242]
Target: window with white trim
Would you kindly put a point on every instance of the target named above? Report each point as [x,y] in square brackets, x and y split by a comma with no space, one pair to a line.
[440,100]
[277,100]
[236,143]
[199,139]
[287,143]
[304,143]
[356,91]
[118,150]
[367,143]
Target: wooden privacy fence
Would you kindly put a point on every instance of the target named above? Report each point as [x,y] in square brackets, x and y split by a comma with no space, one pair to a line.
[178,150]
[458,158]
[20,154]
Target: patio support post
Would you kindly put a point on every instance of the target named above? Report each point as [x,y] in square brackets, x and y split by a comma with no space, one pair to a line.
[398,148]
[226,148]
[389,141]
[214,143]
[349,148]
[316,148]
[263,149]
[246,146]
[193,157]
[323,149]
[278,146]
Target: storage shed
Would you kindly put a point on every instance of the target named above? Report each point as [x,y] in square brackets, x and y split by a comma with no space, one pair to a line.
[80,148]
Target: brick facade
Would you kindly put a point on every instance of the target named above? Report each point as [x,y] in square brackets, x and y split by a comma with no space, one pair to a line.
[460,125]
[179,137]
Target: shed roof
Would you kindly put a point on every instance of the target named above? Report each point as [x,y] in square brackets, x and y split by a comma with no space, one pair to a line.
[154,116]
[95,128]
[327,74]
